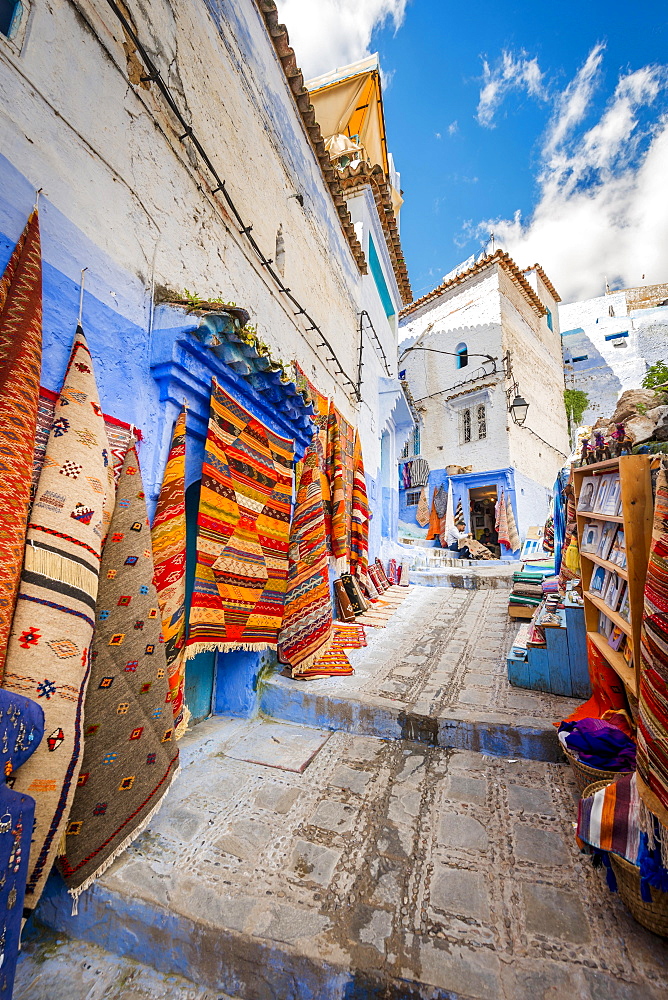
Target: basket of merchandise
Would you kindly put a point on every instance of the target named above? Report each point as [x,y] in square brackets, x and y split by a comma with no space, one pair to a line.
[585,776]
[597,750]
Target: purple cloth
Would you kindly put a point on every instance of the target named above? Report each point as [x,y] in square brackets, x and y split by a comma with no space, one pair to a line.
[600,745]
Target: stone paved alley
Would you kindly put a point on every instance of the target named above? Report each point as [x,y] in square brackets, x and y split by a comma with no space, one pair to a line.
[371,868]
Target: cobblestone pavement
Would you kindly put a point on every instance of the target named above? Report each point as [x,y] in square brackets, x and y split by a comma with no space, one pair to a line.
[386,869]
[439,669]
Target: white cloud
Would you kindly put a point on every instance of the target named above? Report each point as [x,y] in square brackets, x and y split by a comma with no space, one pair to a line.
[601,206]
[508,73]
[453,127]
[330,33]
[438,135]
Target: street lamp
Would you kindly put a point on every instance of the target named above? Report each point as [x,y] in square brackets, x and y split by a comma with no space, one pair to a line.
[518,409]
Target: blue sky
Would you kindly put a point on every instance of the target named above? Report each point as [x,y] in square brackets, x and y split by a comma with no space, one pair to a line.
[557,112]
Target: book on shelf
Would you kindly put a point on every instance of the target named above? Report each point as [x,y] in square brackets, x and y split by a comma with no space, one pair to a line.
[627,651]
[610,504]
[604,625]
[624,608]
[614,590]
[587,494]
[591,536]
[618,550]
[608,532]
[603,493]
[616,638]
[599,580]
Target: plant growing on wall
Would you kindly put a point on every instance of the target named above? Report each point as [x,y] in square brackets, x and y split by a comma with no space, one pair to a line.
[655,375]
[576,402]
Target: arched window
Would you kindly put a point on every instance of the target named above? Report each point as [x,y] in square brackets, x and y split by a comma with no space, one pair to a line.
[462,352]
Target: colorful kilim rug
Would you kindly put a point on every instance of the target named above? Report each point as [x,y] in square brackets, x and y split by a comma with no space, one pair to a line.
[119,435]
[392,571]
[513,535]
[48,658]
[334,663]
[130,756]
[383,575]
[169,555]
[359,530]
[319,418]
[608,820]
[459,514]
[349,635]
[652,734]
[501,524]
[340,464]
[243,532]
[306,632]
[20,361]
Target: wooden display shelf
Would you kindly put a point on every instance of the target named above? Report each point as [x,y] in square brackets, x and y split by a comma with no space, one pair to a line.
[616,660]
[636,518]
[615,618]
[617,518]
[606,564]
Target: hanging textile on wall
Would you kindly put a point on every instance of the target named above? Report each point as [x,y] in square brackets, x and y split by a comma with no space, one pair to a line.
[306,632]
[243,532]
[434,529]
[359,532]
[119,434]
[422,513]
[652,754]
[169,554]
[340,460]
[460,520]
[513,534]
[319,418]
[129,757]
[449,519]
[405,476]
[501,523]
[419,472]
[20,361]
[48,657]
[21,732]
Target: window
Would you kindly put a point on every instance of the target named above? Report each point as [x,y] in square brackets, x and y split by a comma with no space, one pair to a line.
[413,499]
[416,439]
[614,336]
[581,357]
[462,352]
[466,426]
[10,15]
[549,320]
[482,422]
[404,453]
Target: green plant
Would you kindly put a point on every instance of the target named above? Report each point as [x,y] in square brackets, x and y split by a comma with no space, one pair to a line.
[655,375]
[641,408]
[191,297]
[576,402]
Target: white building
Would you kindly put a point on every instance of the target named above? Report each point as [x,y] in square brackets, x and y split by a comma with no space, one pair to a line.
[499,329]
[610,341]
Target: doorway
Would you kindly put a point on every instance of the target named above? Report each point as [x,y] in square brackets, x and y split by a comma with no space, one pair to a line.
[482,501]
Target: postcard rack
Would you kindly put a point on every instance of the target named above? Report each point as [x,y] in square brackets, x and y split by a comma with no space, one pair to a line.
[614,517]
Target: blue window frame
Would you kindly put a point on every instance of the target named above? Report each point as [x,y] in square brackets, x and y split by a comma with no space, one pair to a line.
[379,278]
[549,320]
[462,352]
[616,336]
[10,15]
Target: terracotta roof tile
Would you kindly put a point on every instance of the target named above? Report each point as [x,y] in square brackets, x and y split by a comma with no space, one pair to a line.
[546,281]
[501,258]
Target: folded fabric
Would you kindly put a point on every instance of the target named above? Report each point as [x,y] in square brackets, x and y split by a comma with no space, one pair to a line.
[608,820]
[599,744]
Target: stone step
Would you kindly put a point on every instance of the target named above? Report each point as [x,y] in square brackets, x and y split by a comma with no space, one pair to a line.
[363,869]
[437,674]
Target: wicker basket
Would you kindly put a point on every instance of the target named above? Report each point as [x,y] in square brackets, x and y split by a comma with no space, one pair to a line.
[585,775]
[654,915]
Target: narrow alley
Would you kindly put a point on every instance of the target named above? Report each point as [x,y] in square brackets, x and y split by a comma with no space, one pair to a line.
[286,856]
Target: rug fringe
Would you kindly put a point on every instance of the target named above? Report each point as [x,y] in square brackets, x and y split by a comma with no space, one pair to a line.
[311,660]
[657,833]
[59,567]
[182,727]
[123,846]
[227,647]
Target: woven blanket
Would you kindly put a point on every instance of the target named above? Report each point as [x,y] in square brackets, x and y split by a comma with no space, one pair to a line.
[334,663]
[501,523]
[169,555]
[608,820]
[435,522]
[459,514]
[20,360]
[419,472]
[392,571]
[243,532]
[119,435]
[513,534]
[130,756]
[653,695]
[422,513]
[49,648]
[359,533]
[349,635]
[306,632]
[340,466]
[319,418]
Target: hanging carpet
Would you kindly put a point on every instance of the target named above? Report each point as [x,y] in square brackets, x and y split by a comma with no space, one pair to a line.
[169,555]
[419,472]
[459,515]
[501,524]
[129,757]
[306,632]
[359,530]
[20,361]
[333,663]
[243,532]
[422,514]
[434,529]
[319,418]
[653,696]
[48,657]
[340,465]
[513,535]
